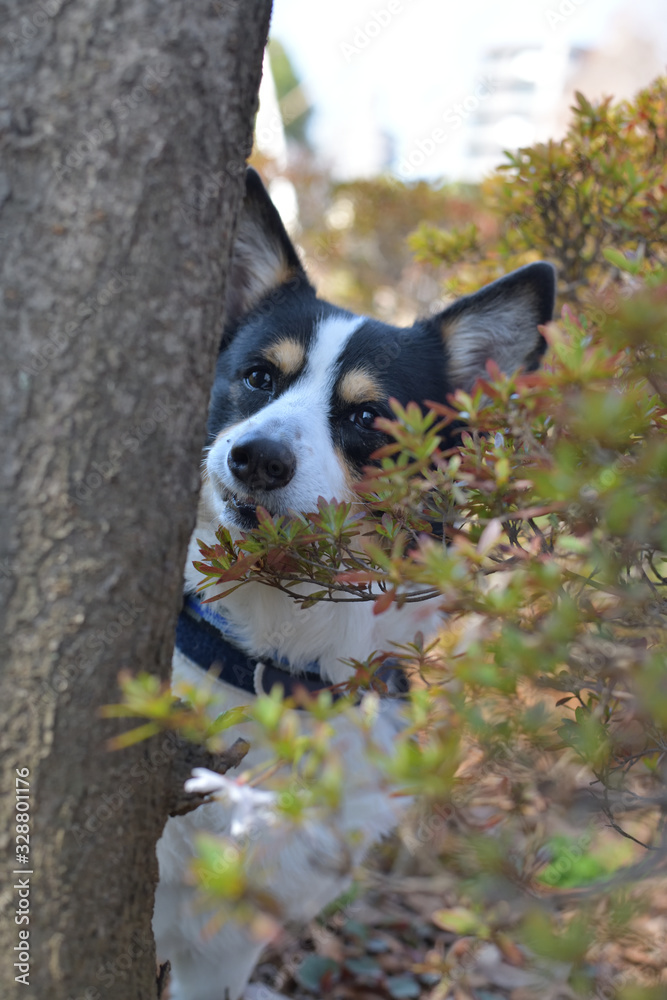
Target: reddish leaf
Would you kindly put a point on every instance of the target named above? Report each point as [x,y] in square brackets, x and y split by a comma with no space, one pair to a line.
[383,602]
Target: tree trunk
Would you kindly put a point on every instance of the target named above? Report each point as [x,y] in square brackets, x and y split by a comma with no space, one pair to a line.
[124,130]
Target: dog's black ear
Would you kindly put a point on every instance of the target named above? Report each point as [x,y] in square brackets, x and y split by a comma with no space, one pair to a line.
[263,257]
[500,323]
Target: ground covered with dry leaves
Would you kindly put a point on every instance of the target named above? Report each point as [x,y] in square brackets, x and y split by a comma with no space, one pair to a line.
[409,930]
[391,944]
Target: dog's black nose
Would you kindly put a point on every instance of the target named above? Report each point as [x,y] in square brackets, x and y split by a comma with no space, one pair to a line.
[262,463]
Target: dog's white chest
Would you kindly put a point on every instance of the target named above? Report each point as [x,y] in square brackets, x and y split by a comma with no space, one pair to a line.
[302,868]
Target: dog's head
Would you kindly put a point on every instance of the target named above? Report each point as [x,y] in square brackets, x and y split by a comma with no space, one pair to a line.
[300,382]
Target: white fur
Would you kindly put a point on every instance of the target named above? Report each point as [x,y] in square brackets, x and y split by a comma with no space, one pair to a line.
[273,625]
[304,868]
[301,417]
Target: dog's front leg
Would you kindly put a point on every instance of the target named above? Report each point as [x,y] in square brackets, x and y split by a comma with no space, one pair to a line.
[299,868]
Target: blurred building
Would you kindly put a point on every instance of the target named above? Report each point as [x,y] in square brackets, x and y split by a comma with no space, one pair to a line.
[528,84]
[534,87]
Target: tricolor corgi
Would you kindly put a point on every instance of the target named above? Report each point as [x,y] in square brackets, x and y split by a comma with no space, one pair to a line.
[298,386]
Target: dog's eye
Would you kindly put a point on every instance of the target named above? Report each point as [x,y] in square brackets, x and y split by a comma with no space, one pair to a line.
[363,417]
[259,378]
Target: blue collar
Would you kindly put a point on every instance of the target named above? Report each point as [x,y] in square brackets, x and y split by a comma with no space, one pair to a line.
[206,638]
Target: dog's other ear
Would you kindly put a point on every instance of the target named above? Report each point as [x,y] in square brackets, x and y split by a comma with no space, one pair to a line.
[263,257]
[500,323]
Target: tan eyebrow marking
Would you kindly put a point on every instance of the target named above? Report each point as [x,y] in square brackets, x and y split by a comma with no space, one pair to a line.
[358,386]
[351,473]
[287,355]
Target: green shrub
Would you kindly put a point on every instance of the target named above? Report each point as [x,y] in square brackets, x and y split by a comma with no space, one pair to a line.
[542,712]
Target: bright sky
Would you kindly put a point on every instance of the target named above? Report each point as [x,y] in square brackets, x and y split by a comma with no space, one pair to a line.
[403,65]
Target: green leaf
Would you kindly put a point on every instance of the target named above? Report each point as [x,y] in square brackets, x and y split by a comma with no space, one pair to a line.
[365,967]
[561,944]
[461,921]
[401,987]
[133,736]
[232,717]
[619,260]
[314,969]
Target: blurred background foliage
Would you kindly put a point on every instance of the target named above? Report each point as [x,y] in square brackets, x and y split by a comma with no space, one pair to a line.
[552,668]
[538,737]
[601,187]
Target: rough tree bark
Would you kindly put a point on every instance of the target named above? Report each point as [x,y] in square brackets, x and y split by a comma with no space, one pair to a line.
[124,130]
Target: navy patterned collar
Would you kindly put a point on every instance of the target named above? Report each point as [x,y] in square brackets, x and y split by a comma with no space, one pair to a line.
[206,638]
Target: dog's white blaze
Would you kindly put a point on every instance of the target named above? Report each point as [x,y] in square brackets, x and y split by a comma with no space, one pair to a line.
[332,336]
[265,621]
[301,417]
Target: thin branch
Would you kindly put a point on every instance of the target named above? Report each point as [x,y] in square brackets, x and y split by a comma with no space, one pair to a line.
[163,979]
